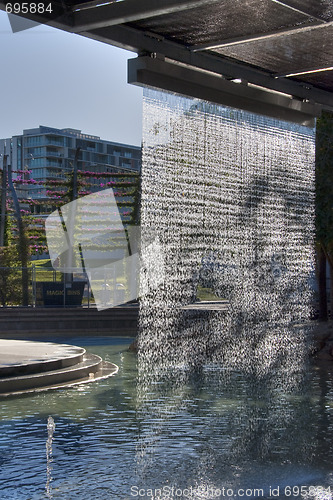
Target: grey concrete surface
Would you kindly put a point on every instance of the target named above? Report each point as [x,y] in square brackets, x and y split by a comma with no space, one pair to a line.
[24,352]
[27,366]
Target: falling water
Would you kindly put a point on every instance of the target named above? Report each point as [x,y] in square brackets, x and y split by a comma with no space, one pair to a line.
[50,432]
[230,195]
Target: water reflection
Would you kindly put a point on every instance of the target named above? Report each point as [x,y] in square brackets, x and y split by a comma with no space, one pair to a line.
[197,428]
[230,429]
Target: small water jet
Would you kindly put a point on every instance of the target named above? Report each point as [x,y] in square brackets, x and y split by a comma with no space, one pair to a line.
[49,459]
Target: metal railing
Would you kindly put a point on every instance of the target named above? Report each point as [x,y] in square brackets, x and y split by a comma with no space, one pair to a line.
[48,287]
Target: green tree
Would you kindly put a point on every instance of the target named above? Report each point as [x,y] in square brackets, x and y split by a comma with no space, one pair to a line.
[324,207]
[10,265]
[10,276]
[22,241]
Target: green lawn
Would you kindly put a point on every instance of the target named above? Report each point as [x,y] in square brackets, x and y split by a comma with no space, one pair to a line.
[45,271]
[206,294]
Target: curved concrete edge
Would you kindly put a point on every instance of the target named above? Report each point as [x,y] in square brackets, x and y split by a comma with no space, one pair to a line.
[89,365]
[29,366]
[106,370]
[23,357]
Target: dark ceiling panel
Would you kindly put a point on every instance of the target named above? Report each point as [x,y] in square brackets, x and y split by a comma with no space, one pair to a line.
[318,8]
[227,19]
[320,80]
[288,53]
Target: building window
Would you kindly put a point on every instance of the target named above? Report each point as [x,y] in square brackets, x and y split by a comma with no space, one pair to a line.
[34,140]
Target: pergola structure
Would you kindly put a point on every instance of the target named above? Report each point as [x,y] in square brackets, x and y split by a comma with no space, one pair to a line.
[268,54]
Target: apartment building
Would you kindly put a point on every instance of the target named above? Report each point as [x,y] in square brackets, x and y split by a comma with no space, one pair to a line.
[49,154]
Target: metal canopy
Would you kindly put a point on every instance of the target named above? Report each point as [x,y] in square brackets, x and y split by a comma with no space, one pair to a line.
[280,45]
[157,73]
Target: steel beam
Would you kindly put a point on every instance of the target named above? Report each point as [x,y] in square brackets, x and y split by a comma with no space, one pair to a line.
[141,42]
[129,11]
[90,5]
[308,71]
[156,73]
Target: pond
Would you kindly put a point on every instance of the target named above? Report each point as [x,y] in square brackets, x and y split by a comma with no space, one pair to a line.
[200,434]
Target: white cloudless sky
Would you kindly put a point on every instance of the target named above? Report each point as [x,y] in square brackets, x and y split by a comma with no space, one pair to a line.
[58,79]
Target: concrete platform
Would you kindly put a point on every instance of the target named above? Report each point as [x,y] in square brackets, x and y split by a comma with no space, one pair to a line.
[208,305]
[23,357]
[29,366]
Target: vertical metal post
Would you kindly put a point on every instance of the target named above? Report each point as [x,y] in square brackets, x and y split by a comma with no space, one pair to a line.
[71,222]
[3,201]
[23,243]
[322,285]
[64,288]
[33,284]
[76,158]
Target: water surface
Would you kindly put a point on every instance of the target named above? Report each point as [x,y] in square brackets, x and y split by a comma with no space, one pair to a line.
[195,431]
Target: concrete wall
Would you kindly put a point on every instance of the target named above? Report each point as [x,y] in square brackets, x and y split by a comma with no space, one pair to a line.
[20,321]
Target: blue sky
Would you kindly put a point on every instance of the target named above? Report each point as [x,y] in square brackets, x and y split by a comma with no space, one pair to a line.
[58,79]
